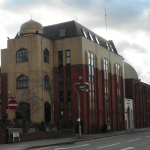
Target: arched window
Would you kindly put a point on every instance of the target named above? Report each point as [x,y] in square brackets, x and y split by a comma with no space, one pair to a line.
[22,55]
[22,82]
[46,56]
[23,112]
[46,82]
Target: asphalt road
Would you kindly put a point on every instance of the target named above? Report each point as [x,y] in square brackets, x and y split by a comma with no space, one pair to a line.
[136,141]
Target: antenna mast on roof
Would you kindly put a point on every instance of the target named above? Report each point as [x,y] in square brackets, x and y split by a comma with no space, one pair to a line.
[31,16]
[106,20]
[76,18]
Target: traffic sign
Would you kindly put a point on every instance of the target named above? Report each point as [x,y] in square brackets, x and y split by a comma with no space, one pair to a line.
[13,105]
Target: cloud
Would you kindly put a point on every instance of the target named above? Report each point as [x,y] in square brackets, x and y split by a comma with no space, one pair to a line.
[127,22]
[125,46]
[2,1]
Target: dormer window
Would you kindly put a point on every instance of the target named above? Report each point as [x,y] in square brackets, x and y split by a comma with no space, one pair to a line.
[111,48]
[107,46]
[62,32]
[91,36]
[84,33]
[97,40]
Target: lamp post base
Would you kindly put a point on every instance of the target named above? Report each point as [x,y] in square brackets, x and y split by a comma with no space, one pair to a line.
[79,132]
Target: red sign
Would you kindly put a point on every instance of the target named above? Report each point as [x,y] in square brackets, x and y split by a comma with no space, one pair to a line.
[13,105]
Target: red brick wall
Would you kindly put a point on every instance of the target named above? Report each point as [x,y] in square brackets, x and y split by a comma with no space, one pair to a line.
[114,103]
[81,70]
[129,88]
[56,102]
[36,135]
[100,104]
[132,94]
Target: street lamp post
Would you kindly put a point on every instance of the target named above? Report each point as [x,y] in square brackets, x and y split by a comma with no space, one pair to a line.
[78,108]
[82,88]
[148,113]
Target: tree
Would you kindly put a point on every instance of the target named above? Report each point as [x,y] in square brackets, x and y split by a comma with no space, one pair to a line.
[48,82]
[28,105]
[29,101]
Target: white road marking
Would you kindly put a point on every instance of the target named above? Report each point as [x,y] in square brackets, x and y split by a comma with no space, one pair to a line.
[134,140]
[72,147]
[108,145]
[128,148]
[147,136]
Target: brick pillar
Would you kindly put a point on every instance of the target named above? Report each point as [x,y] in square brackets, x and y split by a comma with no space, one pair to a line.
[59,125]
[3,133]
[25,127]
[4,91]
[73,124]
[44,125]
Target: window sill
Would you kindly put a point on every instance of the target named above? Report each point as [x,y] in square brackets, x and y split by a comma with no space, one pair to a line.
[22,88]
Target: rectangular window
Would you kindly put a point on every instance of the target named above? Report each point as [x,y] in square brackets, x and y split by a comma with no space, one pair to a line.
[61,85]
[91,115]
[60,58]
[91,85]
[68,57]
[118,90]
[91,36]
[106,87]
[94,115]
[68,85]
[84,33]
[97,40]
[111,48]
[107,46]
[62,32]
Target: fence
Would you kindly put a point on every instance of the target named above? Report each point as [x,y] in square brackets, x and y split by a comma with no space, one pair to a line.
[36,131]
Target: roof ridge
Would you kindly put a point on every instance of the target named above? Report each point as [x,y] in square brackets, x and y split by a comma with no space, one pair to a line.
[58,23]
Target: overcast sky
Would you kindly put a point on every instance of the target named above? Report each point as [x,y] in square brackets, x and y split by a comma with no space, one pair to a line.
[128,23]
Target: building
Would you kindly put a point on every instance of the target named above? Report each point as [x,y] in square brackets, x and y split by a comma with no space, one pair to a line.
[0,92]
[129,116]
[138,95]
[76,55]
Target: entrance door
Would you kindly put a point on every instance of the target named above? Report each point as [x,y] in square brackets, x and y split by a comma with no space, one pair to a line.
[128,113]
[47,110]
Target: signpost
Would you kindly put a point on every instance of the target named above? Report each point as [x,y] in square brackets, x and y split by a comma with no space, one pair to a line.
[16,134]
[13,105]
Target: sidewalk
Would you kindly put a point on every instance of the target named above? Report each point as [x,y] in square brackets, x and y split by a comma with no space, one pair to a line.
[68,140]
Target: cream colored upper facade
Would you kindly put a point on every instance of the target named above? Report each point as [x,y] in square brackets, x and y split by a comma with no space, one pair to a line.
[79,48]
[35,66]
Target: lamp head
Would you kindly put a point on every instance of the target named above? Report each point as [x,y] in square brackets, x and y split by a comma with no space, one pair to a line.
[86,83]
